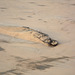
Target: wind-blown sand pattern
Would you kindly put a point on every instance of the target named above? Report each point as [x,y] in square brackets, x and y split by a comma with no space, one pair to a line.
[21,52]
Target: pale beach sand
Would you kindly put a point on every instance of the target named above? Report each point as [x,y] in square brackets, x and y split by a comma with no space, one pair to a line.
[21,53]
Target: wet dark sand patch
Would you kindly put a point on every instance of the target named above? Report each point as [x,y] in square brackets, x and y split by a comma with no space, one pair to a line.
[2,49]
[30,16]
[4,41]
[42,64]
[3,8]
[25,65]
[45,21]
[42,67]
[19,18]
[41,5]
[37,66]
[72,4]
[40,19]
[32,2]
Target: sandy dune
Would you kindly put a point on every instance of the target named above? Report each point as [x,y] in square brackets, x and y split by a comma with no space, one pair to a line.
[18,32]
[21,53]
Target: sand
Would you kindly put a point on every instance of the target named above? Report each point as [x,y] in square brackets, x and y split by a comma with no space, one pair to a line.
[20,53]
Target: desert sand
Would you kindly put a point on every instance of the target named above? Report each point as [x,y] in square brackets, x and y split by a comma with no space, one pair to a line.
[20,53]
